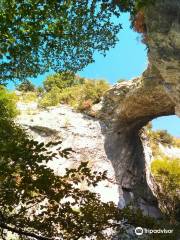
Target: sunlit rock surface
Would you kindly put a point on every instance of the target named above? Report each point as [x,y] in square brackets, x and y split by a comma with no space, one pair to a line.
[114,140]
[95,141]
[78,131]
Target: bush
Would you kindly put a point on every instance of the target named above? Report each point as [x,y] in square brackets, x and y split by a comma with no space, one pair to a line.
[166,172]
[176,142]
[121,80]
[81,96]
[50,98]
[62,80]
[7,103]
[160,136]
[40,91]
[26,86]
[164,137]
[27,97]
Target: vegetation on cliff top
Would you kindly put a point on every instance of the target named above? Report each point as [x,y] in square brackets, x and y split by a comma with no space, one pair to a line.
[66,88]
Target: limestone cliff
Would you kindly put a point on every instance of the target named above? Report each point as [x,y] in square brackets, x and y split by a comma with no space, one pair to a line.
[76,130]
[93,140]
[129,106]
[114,140]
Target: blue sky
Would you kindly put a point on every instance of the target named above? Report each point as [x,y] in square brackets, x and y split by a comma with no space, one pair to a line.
[127,60]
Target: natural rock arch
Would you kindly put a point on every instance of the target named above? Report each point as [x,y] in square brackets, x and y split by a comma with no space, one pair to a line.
[129,106]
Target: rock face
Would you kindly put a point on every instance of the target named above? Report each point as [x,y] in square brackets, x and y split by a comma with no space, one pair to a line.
[128,106]
[123,155]
[78,131]
[114,140]
[125,109]
[163,36]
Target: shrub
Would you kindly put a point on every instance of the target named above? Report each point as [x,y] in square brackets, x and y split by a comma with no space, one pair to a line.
[81,96]
[62,80]
[27,97]
[160,136]
[40,91]
[50,98]
[176,142]
[26,86]
[166,172]
[164,137]
[85,105]
[7,103]
[93,90]
[121,80]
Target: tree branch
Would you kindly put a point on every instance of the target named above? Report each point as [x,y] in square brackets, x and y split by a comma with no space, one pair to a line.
[22,232]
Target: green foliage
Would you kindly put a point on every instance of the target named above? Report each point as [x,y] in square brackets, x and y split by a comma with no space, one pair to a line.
[62,80]
[7,103]
[36,203]
[32,43]
[26,86]
[34,200]
[160,136]
[135,218]
[27,97]
[166,172]
[164,137]
[133,6]
[60,35]
[80,96]
[39,90]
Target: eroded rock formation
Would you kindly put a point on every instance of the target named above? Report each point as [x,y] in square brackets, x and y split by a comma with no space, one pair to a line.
[115,140]
[78,131]
[129,106]
[163,36]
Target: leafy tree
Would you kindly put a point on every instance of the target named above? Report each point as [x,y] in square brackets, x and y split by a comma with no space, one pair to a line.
[26,86]
[61,35]
[37,204]
[62,80]
[34,202]
[38,35]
